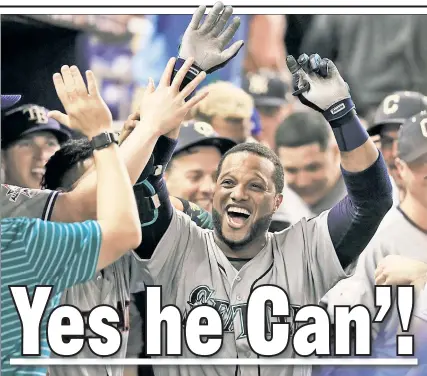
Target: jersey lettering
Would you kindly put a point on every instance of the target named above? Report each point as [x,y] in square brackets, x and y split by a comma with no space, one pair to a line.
[237,314]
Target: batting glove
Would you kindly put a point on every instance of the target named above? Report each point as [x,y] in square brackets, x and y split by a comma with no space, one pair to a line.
[206,42]
[319,85]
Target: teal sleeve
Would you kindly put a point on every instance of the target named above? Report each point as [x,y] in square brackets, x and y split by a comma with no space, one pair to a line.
[63,254]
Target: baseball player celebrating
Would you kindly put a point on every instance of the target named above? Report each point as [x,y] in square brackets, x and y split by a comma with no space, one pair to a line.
[222,267]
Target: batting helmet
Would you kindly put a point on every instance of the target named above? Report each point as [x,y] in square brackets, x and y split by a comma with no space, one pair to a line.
[396,108]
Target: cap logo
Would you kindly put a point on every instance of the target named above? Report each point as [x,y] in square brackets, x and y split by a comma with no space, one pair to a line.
[37,114]
[391,105]
[423,125]
[204,129]
[258,84]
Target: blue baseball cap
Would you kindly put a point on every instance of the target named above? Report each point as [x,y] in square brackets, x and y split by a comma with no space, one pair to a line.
[9,100]
[198,133]
[21,121]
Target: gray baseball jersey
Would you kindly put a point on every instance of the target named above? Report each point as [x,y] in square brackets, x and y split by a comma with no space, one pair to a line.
[24,202]
[398,236]
[112,286]
[192,270]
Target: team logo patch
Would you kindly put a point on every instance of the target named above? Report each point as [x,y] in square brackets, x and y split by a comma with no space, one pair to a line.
[14,192]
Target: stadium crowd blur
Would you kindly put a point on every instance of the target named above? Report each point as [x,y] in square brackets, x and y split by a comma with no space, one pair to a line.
[383,58]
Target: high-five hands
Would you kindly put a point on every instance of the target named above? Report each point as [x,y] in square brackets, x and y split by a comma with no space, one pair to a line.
[319,85]
[206,42]
[164,107]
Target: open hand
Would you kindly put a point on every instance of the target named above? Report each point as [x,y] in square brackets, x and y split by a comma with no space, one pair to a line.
[207,42]
[164,107]
[85,109]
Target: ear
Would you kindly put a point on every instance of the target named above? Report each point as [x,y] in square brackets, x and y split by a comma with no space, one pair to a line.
[278,201]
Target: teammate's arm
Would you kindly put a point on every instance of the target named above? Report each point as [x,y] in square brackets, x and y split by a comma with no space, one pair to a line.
[118,221]
[164,109]
[354,220]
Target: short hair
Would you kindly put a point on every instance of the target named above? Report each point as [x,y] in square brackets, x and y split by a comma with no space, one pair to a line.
[70,153]
[303,128]
[262,151]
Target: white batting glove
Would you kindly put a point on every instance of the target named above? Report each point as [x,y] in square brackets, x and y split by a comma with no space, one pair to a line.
[206,42]
[319,85]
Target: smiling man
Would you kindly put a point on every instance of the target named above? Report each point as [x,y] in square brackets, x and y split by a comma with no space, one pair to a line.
[222,267]
[29,139]
[190,174]
[311,160]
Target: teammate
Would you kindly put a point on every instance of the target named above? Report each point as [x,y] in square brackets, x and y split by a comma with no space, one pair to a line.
[29,138]
[405,234]
[311,160]
[191,172]
[391,113]
[32,250]
[225,265]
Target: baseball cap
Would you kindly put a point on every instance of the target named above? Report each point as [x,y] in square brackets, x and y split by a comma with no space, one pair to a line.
[195,133]
[26,119]
[396,108]
[224,100]
[412,140]
[266,88]
[9,100]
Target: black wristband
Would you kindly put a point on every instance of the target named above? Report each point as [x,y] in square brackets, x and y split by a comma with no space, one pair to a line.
[349,132]
[339,110]
[190,76]
[163,152]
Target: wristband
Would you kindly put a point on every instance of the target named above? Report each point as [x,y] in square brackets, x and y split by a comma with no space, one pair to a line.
[189,76]
[338,110]
[349,132]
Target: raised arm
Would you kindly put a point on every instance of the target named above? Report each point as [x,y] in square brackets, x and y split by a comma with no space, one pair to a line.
[354,220]
[118,219]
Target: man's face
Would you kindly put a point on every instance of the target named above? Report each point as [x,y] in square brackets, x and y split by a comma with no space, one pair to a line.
[414,178]
[235,128]
[245,199]
[388,138]
[310,171]
[192,176]
[24,161]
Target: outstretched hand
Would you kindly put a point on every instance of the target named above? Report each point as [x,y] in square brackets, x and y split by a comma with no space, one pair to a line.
[206,42]
[85,109]
[164,107]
